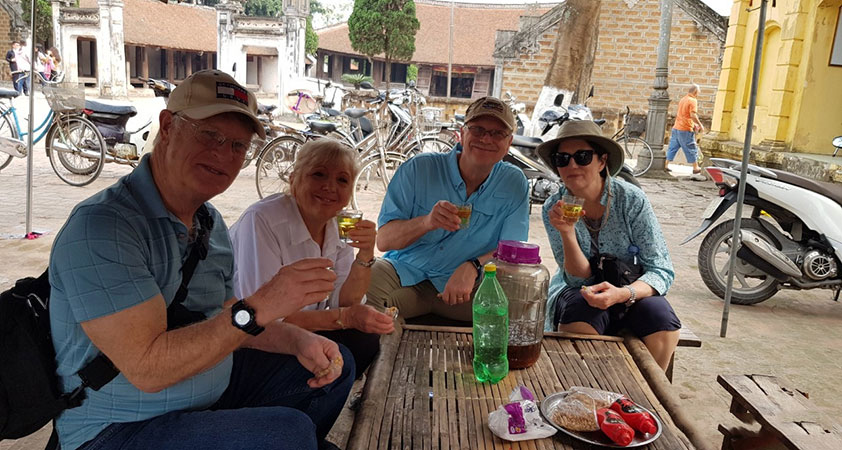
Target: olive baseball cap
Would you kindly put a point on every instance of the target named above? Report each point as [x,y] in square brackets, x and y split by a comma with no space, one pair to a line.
[491,107]
[210,92]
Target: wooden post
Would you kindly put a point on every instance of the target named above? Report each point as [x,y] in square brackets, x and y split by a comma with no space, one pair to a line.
[170,65]
[189,69]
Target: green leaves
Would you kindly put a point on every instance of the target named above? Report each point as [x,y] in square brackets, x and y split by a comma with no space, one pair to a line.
[385,27]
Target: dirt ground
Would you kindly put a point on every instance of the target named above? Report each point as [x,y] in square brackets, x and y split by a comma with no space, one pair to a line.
[795,335]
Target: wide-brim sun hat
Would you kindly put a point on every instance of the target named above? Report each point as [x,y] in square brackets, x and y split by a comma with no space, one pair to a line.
[588,131]
[211,92]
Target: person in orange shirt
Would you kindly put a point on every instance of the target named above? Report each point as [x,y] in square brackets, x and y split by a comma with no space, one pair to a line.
[687,124]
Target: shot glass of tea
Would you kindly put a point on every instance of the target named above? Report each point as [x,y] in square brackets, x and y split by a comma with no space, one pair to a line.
[464,213]
[572,207]
[347,220]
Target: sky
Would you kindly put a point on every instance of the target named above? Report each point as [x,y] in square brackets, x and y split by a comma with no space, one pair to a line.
[344,7]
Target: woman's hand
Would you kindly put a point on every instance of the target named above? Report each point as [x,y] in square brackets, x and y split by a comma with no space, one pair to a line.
[368,320]
[362,237]
[604,295]
[561,223]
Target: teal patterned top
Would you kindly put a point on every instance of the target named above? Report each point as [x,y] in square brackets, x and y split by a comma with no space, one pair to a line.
[631,223]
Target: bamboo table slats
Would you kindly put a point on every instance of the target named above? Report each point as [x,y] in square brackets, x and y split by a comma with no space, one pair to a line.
[422,394]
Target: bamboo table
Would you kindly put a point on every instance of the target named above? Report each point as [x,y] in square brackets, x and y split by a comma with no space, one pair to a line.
[421,392]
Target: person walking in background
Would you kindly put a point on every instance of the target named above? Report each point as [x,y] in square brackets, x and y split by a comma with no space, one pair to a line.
[55,63]
[683,134]
[11,58]
[22,84]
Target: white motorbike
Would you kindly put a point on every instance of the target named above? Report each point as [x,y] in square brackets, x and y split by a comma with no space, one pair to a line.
[793,239]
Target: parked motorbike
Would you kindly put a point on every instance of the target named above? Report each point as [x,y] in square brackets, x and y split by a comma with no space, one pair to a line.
[544,181]
[793,239]
[127,146]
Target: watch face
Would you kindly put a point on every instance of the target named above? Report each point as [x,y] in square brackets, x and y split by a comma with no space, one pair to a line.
[242,318]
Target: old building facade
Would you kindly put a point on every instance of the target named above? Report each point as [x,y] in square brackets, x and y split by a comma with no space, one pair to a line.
[114,43]
[799,89]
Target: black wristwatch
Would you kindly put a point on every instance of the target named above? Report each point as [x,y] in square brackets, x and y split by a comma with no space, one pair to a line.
[477,266]
[243,317]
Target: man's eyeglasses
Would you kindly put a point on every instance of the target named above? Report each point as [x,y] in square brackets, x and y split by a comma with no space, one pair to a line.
[209,137]
[480,132]
[582,158]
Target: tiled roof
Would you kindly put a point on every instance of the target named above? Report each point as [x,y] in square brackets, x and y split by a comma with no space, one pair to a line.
[154,23]
[475,26]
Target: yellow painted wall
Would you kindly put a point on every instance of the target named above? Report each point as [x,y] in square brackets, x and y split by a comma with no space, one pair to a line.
[817,115]
[799,93]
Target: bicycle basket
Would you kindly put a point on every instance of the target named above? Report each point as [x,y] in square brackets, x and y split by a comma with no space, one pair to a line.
[65,98]
[429,119]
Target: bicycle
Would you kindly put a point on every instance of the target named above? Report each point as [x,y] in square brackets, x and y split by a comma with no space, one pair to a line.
[638,153]
[75,147]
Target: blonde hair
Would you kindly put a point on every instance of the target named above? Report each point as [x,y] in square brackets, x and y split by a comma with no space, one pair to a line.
[324,152]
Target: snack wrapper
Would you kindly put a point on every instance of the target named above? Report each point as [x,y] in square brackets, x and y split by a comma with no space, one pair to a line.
[520,419]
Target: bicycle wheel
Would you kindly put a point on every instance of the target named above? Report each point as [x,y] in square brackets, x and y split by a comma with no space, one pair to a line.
[374,177]
[7,130]
[638,154]
[427,145]
[275,164]
[76,150]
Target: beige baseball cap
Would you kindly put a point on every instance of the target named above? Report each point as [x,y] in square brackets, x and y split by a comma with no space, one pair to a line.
[491,107]
[210,92]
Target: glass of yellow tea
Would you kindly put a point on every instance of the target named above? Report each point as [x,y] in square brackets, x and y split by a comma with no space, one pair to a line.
[571,207]
[347,220]
[464,213]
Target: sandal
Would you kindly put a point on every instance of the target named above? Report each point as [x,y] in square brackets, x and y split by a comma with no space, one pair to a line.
[697,171]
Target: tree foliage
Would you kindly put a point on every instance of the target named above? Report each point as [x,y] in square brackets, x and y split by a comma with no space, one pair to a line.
[311,39]
[385,27]
[263,8]
[43,19]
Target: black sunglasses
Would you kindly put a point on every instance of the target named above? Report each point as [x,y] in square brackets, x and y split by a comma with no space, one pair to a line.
[582,158]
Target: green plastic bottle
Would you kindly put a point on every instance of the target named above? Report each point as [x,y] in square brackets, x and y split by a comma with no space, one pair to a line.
[491,329]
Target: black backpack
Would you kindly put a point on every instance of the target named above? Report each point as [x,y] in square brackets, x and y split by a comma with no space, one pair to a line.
[30,396]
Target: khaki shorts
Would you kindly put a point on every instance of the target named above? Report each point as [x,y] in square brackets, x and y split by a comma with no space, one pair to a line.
[385,290]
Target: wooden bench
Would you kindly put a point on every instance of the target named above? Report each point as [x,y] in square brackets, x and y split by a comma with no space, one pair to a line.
[787,418]
[686,339]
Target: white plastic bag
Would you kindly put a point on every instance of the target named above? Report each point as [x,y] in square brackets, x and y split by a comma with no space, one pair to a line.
[519,420]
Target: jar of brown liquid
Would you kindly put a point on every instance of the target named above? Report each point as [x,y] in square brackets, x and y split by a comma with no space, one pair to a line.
[525,281]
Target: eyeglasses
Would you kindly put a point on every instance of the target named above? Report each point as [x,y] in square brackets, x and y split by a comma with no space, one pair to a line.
[582,158]
[209,137]
[480,132]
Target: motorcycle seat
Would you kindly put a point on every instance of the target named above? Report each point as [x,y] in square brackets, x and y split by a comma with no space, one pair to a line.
[108,108]
[355,113]
[830,190]
[8,93]
[525,141]
[265,109]
[599,121]
[459,118]
[322,127]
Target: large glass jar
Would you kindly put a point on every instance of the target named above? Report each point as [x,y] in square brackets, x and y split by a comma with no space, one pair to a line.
[525,281]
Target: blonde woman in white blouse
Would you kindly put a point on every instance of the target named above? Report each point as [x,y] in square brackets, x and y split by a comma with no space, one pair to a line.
[284,228]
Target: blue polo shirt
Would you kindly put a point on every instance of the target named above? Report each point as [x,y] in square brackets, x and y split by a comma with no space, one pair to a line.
[120,248]
[500,211]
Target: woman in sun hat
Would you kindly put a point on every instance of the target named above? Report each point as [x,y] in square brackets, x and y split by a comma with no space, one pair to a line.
[616,219]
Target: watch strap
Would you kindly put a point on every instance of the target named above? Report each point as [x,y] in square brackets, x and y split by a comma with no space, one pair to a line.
[477,266]
[251,327]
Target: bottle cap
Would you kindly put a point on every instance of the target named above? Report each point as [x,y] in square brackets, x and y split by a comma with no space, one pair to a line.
[490,267]
[517,252]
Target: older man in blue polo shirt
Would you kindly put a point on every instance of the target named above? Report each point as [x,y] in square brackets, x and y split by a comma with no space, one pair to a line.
[432,262]
[235,378]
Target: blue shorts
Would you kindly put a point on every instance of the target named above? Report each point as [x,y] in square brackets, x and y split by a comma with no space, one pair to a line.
[649,315]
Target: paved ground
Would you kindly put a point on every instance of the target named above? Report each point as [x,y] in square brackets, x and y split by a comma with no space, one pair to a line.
[794,334]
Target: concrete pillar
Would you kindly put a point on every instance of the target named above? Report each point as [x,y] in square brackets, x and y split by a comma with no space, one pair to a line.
[111,52]
[659,101]
[226,53]
[144,62]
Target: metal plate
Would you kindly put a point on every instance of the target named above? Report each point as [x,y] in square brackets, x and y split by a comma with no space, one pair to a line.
[712,207]
[596,437]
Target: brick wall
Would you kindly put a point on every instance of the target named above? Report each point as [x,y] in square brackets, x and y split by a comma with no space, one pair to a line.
[624,68]
[6,36]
